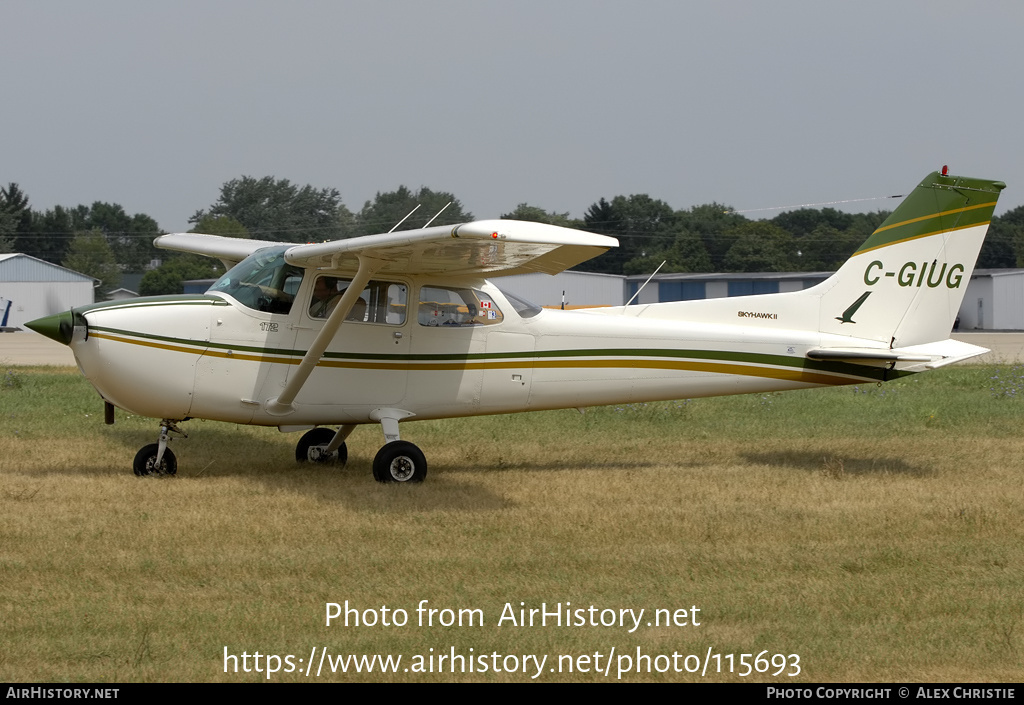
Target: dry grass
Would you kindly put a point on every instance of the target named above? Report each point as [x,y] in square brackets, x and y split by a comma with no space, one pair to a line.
[875,532]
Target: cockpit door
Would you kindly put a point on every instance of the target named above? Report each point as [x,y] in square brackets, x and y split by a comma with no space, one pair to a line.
[367,362]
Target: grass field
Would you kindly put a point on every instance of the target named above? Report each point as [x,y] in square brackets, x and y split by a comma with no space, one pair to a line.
[874,532]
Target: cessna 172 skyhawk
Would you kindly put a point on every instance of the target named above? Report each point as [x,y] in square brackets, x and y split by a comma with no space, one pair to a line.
[404,325]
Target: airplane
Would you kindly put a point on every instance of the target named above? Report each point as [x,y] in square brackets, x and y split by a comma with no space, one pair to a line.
[384,329]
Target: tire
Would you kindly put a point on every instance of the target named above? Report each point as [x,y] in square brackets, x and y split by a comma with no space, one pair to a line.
[399,461]
[145,462]
[312,443]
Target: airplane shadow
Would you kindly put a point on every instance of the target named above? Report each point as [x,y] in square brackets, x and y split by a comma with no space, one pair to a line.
[212,452]
[552,466]
[826,462]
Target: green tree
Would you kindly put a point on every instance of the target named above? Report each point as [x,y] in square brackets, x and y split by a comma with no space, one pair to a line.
[14,202]
[276,209]
[178,267]
[8,225]
[90,254]
[1004,243]
[687,253]
[760,246]
[168,278]
[533,214]
[48,235]
[16,225]
[716,224]
[130,236]
[640,223]
[222,225]
[802,222]
[388,209]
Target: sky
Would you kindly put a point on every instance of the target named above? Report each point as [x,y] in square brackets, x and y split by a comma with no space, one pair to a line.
[554,103]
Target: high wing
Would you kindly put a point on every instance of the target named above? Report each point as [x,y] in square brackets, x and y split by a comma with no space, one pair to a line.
[229,250]
[483,248]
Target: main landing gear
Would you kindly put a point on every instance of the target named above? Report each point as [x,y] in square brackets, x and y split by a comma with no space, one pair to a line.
[157,458]
[322,445]
[397,461]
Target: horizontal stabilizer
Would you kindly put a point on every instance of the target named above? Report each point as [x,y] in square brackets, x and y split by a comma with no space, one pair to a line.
[931,355]
[864,354]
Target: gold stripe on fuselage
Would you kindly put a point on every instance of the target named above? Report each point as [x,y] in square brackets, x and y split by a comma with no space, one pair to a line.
[725,368]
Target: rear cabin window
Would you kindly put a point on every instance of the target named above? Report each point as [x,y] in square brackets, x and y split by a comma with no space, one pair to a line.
[450,307]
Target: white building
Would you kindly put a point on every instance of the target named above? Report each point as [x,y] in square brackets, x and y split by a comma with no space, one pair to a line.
[575,289]
[37,288]
[994,300]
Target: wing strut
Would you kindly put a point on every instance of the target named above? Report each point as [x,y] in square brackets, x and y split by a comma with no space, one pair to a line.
[282,405]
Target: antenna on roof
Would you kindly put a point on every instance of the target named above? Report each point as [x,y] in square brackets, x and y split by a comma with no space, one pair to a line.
[437,214]
[645,283]
[405,218]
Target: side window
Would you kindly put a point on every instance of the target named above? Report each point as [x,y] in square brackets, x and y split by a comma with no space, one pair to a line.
[443,306]
[379,302]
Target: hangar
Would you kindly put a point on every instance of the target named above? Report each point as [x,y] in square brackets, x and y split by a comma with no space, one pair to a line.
[36,288]
[994,300]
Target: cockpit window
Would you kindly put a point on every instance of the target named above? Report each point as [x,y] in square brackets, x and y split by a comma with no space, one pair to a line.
[525,309]
[379,302]
[263,281]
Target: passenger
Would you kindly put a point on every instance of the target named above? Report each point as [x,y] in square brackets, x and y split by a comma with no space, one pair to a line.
[358,312]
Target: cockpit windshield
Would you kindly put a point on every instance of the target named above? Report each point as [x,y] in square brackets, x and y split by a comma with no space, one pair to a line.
[263,281]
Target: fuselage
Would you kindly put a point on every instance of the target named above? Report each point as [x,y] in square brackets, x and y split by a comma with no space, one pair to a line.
[477,351]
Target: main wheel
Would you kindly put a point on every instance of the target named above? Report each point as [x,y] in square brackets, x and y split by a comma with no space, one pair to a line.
[312,445]
[145,462]
[399,461]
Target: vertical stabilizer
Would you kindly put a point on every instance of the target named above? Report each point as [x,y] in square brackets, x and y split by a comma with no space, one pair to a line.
[904,285]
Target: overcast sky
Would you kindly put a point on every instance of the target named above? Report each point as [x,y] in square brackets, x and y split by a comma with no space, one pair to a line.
[556,103]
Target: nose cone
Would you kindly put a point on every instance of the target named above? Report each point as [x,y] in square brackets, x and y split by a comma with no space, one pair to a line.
[59,327]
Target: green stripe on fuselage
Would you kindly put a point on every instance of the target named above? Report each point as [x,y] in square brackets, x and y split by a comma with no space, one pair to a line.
[624,355]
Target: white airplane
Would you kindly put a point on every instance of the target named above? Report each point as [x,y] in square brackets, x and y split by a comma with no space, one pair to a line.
[387,328]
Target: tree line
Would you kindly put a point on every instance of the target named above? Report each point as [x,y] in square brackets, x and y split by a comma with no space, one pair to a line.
[103,241]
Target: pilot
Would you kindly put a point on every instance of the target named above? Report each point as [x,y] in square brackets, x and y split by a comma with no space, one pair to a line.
[325,297]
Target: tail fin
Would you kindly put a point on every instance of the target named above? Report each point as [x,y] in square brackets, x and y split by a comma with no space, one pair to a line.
[905,284]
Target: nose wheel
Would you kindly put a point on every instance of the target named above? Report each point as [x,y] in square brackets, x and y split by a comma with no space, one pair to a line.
[157,458]
[146,462]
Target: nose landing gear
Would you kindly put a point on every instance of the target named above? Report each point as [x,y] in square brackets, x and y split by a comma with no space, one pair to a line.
[157,458]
